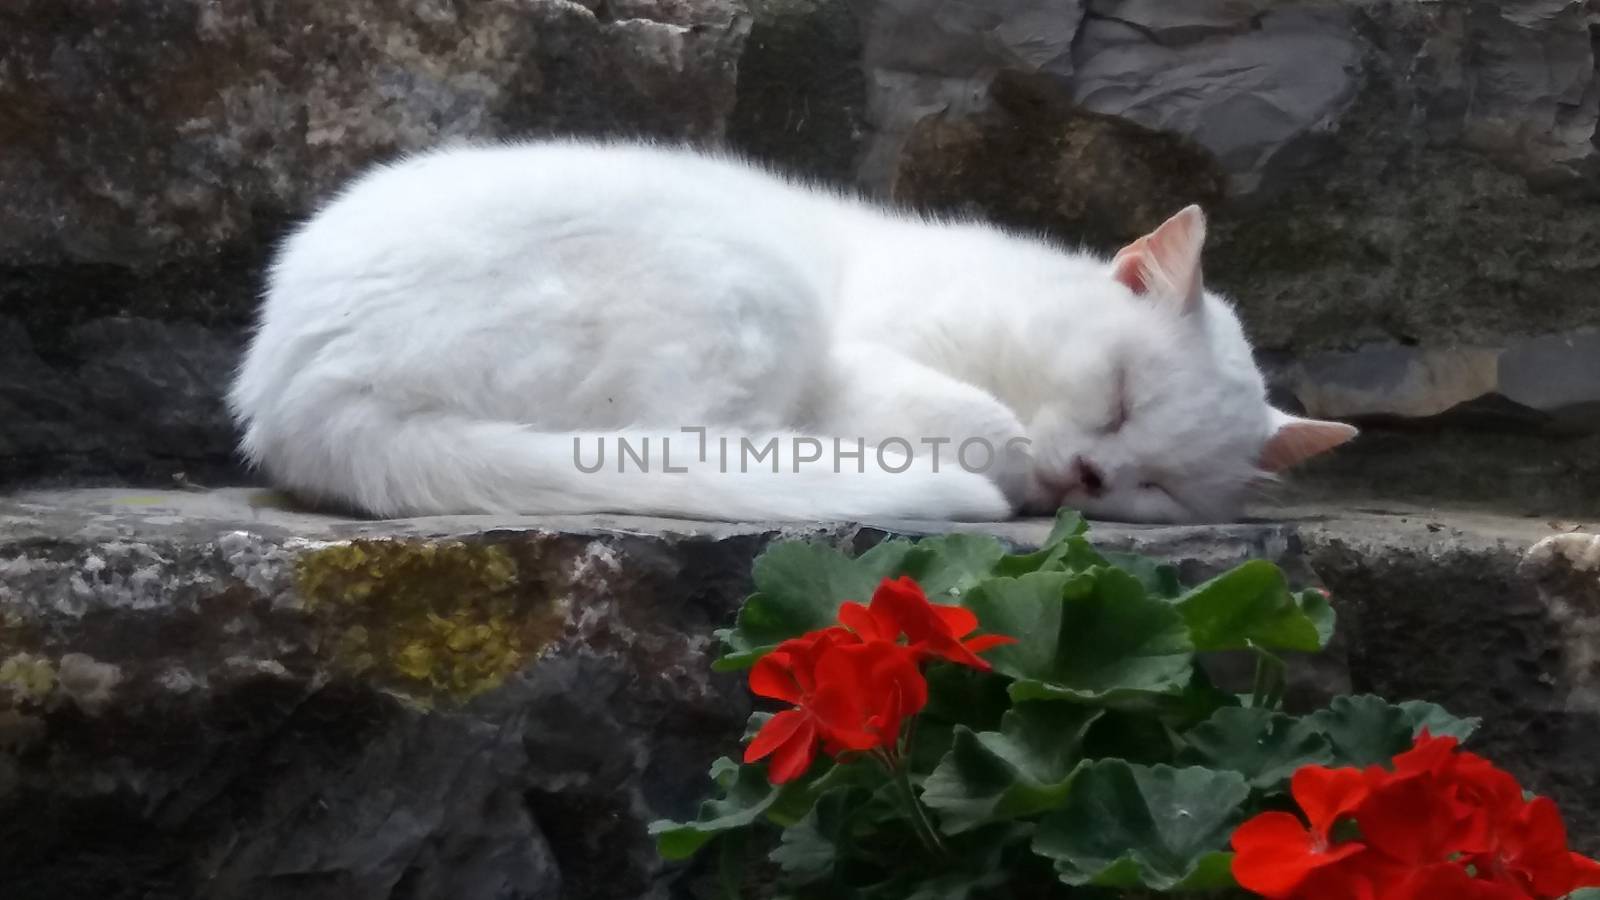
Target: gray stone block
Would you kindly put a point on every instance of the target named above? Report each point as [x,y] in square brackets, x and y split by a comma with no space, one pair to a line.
[207,694]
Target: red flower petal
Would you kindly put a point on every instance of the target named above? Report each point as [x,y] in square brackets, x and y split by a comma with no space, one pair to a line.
[1410,820]
[957,620]
[902,602]
[778,730]
[864,692]
[1274,854]
[1585,871]
[987,642]
[1534,847]
[773,676]
[895,667]
[1351,879]
[899,607]
[1449,881]
[1427,754]
[860,620]
[1325,795]
[795,755]
[844,719]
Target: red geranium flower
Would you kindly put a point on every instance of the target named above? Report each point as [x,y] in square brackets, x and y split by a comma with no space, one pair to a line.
[864,693]
[900,607]
[848,696]
[1411,818]
[1531,852]
[1480,795]
[1441,824]
[1448,881]
[1503,837]
[1276,854]
[788,673]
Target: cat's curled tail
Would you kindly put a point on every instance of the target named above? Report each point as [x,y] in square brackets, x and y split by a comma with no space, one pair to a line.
[389,465]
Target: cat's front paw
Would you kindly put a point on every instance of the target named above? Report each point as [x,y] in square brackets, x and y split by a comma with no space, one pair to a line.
[1014,473]
[965,497]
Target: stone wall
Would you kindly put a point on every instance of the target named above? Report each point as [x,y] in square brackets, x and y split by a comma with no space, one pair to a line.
[207,695]
[1406,195]
[151,153]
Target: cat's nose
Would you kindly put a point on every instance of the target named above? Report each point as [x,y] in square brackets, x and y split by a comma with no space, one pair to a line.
[1088,476]
[1081,476]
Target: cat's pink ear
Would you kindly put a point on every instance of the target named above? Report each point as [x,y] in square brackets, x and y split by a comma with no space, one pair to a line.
[1164,265]
[1295,440]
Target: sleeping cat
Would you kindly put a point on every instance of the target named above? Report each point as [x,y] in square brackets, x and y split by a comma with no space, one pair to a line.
[464,331]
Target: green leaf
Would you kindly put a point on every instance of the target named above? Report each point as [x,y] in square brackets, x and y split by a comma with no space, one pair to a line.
[1250,606]
[956,694]
[1134,734]
[1584,894]
[1364,730]
[1050,559]
[886,558]
[981,865]
[1199,701]
[1022,769]
[1064,550]
[1069,524]
[947,566]
[1090,636]
[809,849]
[956,886]
[1127,826]
[746,796]
[1263,746]
[799,587]
[1316,607]
[1367,730]
[1158,578]
[753,725]
[1434,719]
[966,695]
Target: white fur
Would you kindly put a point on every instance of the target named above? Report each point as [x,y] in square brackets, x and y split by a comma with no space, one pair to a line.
[434,338]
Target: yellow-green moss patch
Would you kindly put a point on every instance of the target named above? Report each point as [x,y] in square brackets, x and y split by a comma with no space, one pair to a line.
[430,619]
[26,679]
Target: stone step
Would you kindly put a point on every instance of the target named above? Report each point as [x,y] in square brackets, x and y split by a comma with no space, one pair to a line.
[209,694]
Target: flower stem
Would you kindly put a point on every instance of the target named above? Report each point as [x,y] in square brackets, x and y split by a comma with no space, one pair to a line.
[1258,683]
[919,814]
[1269,683]
[731,864]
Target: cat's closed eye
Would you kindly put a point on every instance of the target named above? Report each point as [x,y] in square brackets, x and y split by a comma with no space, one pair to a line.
[1119,403]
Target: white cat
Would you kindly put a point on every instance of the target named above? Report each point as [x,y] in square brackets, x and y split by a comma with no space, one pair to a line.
[467,330]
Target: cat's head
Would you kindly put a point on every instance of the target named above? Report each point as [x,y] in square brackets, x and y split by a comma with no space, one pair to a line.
[1167,417]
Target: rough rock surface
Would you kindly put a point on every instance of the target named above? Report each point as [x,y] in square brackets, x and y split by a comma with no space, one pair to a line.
[1566,568]
[204,694]
[1064,170]
[239,112]
[1408,196]
[1410,188]
[1488,615]
[1553,379]
[1532,474]
[802,95]
[150,154]
[1253,82]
